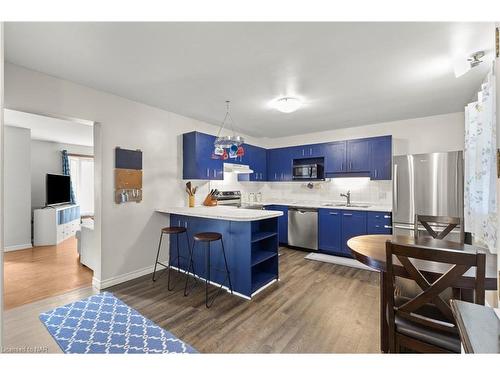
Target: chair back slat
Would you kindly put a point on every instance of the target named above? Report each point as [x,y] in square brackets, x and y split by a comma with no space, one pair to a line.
[448,222]
[460,262]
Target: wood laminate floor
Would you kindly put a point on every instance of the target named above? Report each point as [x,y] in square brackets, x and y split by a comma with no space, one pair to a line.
[316,307]
[41,272]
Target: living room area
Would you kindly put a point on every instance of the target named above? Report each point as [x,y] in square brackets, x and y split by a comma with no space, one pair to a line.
[49,206]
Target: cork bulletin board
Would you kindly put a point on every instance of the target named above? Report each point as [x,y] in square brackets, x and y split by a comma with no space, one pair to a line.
[128,175]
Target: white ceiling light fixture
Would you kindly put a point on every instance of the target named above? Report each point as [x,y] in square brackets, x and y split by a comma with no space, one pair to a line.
[287,104]
[462,65]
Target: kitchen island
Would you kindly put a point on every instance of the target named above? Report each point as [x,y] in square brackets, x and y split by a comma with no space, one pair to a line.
[250,241]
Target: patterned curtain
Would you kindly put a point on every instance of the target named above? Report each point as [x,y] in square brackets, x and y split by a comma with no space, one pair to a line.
[480,211]
[65,169]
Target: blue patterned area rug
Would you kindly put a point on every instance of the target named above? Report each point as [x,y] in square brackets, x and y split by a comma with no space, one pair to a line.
[104,324]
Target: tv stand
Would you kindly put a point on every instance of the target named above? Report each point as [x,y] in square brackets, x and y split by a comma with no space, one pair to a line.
[54,224]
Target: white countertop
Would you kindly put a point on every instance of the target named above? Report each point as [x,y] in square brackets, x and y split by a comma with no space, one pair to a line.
[312,204]
[222,213]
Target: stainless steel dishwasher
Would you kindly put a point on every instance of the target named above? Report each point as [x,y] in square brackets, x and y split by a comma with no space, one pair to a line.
[303,227]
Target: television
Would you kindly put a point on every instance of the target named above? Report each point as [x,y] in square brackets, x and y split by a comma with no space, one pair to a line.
[58,189]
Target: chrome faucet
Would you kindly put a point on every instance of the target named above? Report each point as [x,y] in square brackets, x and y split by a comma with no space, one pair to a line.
[348,197]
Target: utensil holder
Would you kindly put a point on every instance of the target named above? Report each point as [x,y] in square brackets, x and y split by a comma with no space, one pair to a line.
[191,200]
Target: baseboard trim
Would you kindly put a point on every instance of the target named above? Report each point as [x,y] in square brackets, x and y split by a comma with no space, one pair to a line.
[103,284]
[18,247]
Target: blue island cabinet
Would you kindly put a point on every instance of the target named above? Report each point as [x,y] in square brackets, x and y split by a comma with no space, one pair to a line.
[282,222]
[251,250]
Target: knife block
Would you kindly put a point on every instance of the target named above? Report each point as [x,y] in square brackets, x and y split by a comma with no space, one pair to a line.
[210,201]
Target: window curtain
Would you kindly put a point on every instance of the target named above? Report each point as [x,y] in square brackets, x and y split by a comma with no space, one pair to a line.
[66,172]
[480,196]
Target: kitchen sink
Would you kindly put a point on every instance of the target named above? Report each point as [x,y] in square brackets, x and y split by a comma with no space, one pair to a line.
[345,205]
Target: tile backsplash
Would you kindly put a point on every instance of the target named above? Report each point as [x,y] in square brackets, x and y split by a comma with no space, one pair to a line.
[362,190]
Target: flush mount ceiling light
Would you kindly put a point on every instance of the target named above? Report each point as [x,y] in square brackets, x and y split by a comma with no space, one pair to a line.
[287,104]
[226,141]
[463,65]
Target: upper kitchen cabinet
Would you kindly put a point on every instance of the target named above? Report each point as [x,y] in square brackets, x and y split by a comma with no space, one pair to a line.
[335,157]
[256,158]
[197,158]
[259,164]
[365,157]
[358,155]
[308,151]
[381,158]
[279,164]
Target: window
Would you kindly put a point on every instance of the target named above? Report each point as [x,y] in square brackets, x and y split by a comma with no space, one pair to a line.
[82,181]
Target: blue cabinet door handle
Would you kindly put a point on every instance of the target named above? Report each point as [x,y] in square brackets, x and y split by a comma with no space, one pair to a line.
[347,214]
[333,213]
[388,226]
[387,216]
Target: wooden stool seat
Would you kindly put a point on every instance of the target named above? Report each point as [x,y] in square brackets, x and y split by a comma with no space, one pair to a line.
[207,236]
[173,230]
[170,231]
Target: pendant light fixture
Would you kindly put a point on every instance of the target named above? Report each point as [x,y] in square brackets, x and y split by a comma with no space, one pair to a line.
[228,141]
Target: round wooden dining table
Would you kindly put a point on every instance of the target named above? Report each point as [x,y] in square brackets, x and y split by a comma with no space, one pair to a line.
[370,250]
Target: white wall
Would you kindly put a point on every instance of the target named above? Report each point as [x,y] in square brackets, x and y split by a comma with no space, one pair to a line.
[46,158]
[17,188]
[129,231]
[413,136]
[1,179]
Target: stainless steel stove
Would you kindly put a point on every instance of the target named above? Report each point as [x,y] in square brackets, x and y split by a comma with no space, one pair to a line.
[233,198]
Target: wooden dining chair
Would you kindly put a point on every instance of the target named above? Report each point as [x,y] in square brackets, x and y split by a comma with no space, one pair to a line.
[424,323]
[448,223]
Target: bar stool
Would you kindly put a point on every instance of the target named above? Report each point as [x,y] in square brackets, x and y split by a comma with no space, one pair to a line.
[169,231]
[208,237]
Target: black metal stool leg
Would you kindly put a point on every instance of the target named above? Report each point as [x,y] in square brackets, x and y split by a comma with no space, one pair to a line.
[157,256]
[191,264]
[227,268]
[207,276]
[186,293]
[170,262]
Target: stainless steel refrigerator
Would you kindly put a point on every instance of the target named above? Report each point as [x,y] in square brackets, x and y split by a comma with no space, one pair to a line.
[427,184]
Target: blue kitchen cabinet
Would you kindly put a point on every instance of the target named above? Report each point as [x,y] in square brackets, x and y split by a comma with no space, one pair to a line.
[197,158]
[354,223]
[335,157]
[358,155]
[273,164]
[259,166]
[381,158]
[279,164]
[379,222]
[282,222]
[308,151]
[330,231]
[256,158]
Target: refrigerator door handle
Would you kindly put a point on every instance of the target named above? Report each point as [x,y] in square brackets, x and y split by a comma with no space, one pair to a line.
[395,174]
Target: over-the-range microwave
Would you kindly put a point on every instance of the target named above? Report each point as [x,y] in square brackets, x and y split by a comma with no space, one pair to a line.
[308,172]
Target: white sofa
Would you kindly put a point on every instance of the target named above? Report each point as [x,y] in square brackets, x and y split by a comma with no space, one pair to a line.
[87,245]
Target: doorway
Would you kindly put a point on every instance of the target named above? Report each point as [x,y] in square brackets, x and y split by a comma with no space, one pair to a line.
[49,237]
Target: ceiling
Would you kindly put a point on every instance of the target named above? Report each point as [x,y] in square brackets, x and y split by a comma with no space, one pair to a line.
[51,129]
[348,74]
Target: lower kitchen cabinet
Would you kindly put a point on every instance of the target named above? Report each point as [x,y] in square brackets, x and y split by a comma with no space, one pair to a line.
[379,222]
[336,227]
[282,222]
[330,231]
[354,223]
